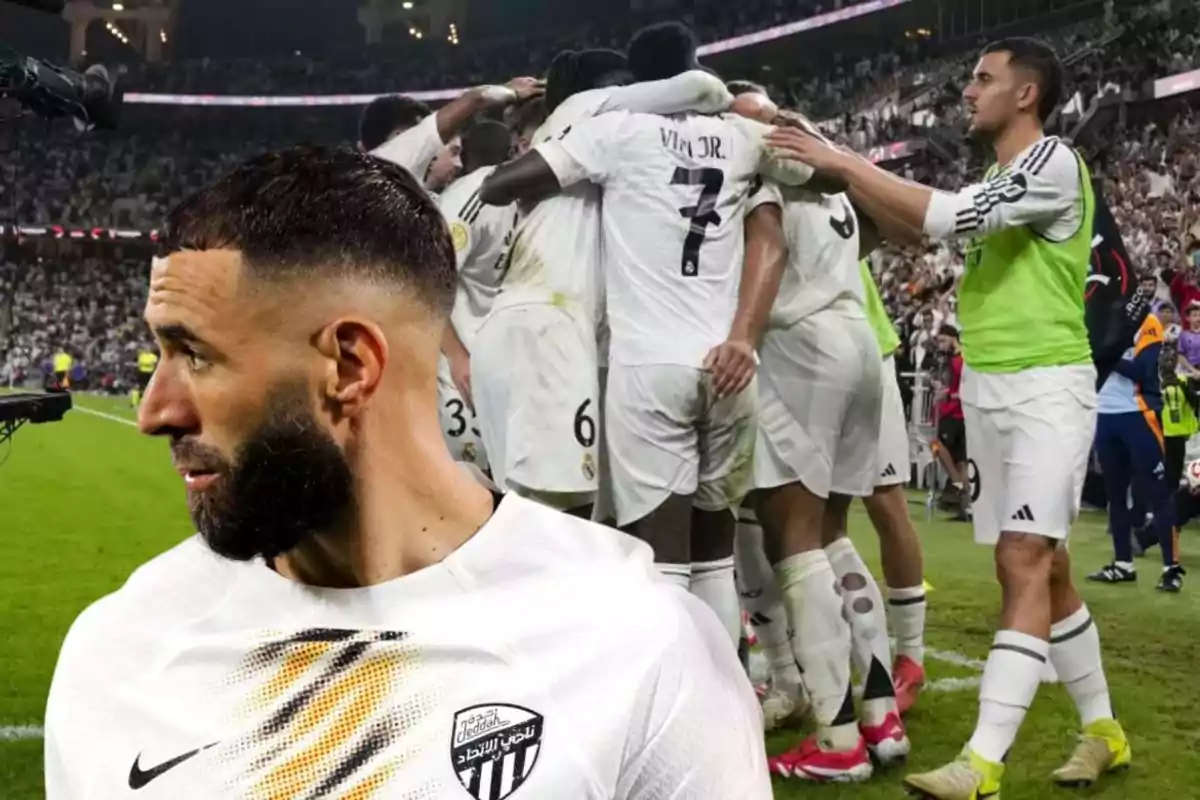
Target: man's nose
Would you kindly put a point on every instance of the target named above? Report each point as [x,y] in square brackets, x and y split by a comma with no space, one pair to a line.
[167,407]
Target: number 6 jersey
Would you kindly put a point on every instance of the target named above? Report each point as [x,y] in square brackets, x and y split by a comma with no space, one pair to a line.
[675,192]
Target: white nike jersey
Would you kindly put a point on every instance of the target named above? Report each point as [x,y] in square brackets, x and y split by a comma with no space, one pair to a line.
[543,660]
[823,252]
[675,191]
[481,235]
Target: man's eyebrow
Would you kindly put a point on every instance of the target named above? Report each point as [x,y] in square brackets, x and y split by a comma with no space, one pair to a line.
[176,333]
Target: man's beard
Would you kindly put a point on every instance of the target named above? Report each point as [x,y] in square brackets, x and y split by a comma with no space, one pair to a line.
[289,480]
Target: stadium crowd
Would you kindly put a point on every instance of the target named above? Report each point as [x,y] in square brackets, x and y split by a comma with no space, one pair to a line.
[512,45]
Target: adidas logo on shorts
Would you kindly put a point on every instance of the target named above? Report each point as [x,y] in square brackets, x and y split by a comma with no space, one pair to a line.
[1023,514]
[889,471]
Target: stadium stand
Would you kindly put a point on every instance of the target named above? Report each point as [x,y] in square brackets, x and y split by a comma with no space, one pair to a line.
[1149,161]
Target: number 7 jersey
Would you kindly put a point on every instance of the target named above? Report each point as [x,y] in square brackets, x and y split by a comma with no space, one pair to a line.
[675,195]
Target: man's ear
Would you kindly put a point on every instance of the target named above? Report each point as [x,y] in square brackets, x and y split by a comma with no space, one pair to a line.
[354,354]
[1027,97]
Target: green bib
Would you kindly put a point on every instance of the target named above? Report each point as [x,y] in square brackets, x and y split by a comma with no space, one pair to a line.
[877,315]
[1021,302]
[1178,418]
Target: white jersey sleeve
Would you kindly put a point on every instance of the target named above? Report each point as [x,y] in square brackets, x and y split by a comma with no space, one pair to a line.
[695,90]
[482,235]
[767,192]
[700,684]
[770,165]
[587,151]
[1041,189]
[415,149]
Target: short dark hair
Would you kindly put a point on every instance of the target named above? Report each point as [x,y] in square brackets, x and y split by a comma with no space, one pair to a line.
[1040,58]
[486,144]
[747,87]
[948,330]
[317,211]
[529,116]
[662,51]
[384,116]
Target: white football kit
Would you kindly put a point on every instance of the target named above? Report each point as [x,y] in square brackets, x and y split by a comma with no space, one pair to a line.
[534,369]
[414,149]
[675,190]
[481,236]
[543,660]
[819,381]
[1030,432]
[893,457]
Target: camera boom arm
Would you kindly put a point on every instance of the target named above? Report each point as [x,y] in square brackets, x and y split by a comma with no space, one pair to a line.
[17,409]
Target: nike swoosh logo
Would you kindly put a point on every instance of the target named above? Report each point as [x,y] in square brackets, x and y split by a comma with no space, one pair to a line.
[139,777]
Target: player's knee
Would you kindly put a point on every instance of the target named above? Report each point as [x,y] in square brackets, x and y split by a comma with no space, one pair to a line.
[833,522]
[1023,559]
[793,512]
[1060,571]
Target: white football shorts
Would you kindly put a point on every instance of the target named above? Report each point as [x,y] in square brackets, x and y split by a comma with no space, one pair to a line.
[667,434]
[460,428]
[1030,457]
[894,457]
[534,375]
[820,394]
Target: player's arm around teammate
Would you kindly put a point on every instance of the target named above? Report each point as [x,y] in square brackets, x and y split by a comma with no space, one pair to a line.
[405,132]
[1029,394]
[733,362]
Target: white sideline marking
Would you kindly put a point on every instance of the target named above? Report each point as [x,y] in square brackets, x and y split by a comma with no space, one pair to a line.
[954,684]
[955,658]
[102,415]
[17,733]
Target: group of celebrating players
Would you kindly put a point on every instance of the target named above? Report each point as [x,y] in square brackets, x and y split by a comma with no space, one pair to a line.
[656,316]
[664,319]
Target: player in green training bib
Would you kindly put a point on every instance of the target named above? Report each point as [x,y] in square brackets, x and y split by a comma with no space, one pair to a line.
[1028,393]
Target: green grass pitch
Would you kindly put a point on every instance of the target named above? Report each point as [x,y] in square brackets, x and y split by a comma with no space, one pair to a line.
[84,501]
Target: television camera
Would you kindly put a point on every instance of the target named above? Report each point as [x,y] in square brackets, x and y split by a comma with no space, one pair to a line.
[17,409]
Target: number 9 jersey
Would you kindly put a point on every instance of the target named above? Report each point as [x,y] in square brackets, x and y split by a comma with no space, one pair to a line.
[675,193]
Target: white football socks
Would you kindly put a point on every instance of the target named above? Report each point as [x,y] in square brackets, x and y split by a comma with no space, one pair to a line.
[906,608]
[821,644]
[1010,682]
[1075,653]
[760,596]
[862,604]
[712,582]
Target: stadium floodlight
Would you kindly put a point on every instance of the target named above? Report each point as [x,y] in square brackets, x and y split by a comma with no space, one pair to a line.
[90,98]
[17,409]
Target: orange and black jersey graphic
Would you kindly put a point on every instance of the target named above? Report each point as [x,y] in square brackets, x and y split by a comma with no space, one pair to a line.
[324,720]
[325,714]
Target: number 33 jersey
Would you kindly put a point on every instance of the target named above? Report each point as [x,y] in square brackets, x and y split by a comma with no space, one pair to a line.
[544,659]
[675,195]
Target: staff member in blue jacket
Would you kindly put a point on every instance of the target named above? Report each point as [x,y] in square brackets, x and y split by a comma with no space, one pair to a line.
[1129,444]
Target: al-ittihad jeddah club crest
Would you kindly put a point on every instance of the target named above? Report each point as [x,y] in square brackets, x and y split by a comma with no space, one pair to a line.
[494,748]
